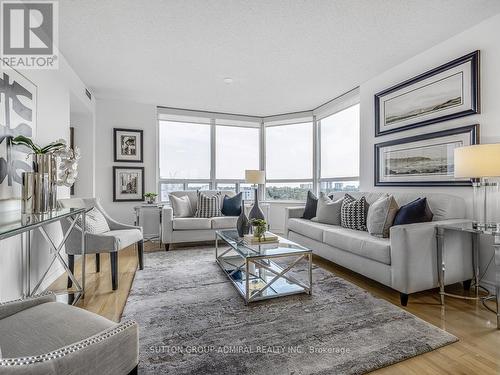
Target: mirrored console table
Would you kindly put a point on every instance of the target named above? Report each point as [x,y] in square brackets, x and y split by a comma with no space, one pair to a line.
[476,233]
[15,223]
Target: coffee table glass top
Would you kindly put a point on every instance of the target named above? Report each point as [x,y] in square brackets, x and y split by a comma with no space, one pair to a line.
[282,247]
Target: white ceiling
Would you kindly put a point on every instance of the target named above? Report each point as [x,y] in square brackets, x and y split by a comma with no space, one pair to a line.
[283,55]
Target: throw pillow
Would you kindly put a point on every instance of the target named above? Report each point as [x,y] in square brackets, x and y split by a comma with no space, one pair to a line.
[417,211]
[311,206]
[181,206]
[95,222]
[231,206]
[328,211]
[381,214]
[208,206]
[353,212]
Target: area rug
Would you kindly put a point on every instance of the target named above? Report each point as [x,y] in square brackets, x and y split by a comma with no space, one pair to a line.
[193,321]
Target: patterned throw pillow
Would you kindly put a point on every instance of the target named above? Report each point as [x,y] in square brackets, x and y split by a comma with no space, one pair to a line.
[95,222]
[353,213]
[208,206]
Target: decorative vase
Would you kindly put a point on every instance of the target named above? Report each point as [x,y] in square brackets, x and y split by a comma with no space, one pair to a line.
[28,193]
[150,200]
[45,164]
[242,225]
[256,212]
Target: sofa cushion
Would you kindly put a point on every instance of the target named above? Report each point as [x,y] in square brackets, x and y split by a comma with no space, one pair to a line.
[417,211]
[231,206]
[311,206]
[328,210]
[125,237]
[354,212]
[381,216]
[208,206]
[22,334]
[191,223]
[181,206]
[224,222]
[308,228]
[359,243]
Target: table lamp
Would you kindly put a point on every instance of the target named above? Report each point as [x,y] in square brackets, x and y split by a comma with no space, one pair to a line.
[257,178]
[480,163]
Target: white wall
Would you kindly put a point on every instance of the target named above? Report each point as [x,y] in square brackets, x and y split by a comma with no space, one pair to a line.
[483,37]
[84,134]
[53,118]
[122,114]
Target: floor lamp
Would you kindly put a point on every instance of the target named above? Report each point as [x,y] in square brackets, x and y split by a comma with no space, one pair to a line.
[481,163]
[257,178]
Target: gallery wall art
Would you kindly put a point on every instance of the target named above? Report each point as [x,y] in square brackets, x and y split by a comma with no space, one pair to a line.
[18,110]
[447,92]
[128,145]
[128,184]
[423,160]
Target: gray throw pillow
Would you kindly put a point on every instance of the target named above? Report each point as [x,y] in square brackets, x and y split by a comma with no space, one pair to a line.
[328,210]
[95,222]
[381,215]
[181,206]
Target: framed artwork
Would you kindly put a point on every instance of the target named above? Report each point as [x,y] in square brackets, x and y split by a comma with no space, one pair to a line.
[18,110]
[423,160]
[444,93]
[128,184]
[128,145]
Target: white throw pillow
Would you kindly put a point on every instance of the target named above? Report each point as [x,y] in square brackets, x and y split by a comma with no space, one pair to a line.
[181,206]
[328,210]
[95,222]
[381,215]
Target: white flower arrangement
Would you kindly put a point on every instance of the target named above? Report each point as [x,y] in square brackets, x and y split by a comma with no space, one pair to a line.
[67,170]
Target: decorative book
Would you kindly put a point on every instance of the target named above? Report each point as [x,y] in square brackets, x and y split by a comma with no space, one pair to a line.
[267,238]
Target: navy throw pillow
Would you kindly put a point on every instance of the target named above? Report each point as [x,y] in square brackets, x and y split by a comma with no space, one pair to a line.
[231,206]
[311,206]
[417,211]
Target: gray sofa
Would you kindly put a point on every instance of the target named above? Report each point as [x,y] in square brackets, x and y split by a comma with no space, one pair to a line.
[407,261]
[193,229]
[39,336]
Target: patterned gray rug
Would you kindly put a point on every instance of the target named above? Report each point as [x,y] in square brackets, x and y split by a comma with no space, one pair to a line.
[192,321]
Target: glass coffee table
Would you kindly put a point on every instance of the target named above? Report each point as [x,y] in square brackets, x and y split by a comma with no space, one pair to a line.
[264,271]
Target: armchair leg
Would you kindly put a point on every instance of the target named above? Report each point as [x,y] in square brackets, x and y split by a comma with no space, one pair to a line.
[98,263]
[140,254]
[113,256]
[167,246]
[71,265]
[135,371]
[404,299]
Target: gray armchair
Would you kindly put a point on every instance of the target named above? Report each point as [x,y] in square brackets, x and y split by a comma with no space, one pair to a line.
[39,336]
[119,237]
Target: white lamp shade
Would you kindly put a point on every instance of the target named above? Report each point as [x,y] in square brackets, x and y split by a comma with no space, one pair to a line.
[477,161]
[255,177]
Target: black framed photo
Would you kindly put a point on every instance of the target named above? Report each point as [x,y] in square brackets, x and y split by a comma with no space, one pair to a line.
[128,184]
[444,93]
[128,145]
[423,160]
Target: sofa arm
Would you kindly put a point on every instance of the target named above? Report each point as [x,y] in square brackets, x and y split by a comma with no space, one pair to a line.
[13,307]
[291,213]
[114,351]
[167,217]
[414,256]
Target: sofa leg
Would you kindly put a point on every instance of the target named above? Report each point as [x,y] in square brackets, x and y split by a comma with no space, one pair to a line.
[167,246]
[140,254]
[114,269]
[404,299]
[466,284]
[98,263]
[71,265]
[134,371]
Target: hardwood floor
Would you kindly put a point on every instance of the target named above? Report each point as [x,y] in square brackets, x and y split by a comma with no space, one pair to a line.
[477,352]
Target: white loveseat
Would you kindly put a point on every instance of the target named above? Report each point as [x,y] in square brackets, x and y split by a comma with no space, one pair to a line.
[193,229]
[407,261]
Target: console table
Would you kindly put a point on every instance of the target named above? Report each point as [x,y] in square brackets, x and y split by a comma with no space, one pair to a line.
[14,223]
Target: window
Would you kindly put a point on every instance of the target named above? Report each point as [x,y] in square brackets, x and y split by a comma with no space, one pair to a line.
[248,192]
[165,189]
[336,186]
[237,149]
[184,151]
[226,186]
[289,152]
[198,186]
[287,191]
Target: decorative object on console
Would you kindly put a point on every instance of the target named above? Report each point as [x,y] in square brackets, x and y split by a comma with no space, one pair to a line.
[208,206]
[242,225]
[481,163]
[181,206]
[311,206]
[417,211]
[128,184]
[381,214]
[231,206]
[128,145]
[441,94]
[150,198]
[255,177]
[422,160]
[353,213]
[328,210]
[259,228]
